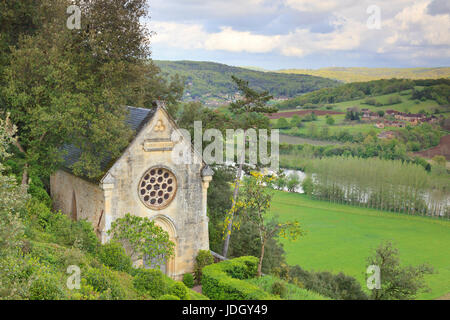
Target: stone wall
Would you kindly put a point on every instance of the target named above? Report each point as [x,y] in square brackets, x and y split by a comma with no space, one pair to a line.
[70,192]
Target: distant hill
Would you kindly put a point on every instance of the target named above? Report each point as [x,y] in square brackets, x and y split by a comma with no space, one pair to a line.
[211,82]
[368,74]
[436,91]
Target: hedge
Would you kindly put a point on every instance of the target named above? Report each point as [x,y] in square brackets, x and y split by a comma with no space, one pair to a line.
[223,281]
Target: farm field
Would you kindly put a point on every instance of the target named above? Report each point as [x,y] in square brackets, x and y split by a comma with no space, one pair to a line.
[407,105]
[341,238]
[284,138]
[340,124]
[367,74]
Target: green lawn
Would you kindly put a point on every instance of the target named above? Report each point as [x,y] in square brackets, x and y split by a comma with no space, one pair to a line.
[341,237]
[407,105]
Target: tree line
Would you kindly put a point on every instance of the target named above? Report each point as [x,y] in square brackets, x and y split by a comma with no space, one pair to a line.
[395,186]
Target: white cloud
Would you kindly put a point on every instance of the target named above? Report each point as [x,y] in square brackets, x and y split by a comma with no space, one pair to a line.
[407,29]
[194,36]
[414,29]
[318,5]
[179,35]
[237,41]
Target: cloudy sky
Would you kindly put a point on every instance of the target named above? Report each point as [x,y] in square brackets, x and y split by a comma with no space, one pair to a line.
[310,34]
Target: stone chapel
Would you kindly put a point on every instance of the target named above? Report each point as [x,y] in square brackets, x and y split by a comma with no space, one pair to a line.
[144,181]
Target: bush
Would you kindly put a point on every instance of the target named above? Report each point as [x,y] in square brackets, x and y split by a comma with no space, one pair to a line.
[188,280]
[179,289]
[204,258]
[308,186]
[168,297]
[46,286]
[86,292]
[338,286]
[113,255]
[152,282]
[293,291]
[62,230]
[278,288]
[105,282]
[37,191]
[222,281]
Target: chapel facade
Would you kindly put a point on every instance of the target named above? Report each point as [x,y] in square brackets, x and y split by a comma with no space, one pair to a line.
[145,181]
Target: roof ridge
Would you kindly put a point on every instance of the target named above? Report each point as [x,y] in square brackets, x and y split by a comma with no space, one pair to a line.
[147,109]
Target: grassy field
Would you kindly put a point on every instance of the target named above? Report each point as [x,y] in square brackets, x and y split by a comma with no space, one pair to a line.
[340,124]
[341,238]
[407,105]
[367,74]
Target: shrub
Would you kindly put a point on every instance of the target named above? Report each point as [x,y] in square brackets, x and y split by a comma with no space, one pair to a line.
[179,289]
[36,190]
[145,239]
[278,288]
[113,255]
[168,297]
[46,286]
[293,291]
[15,274]
[62,230]
[105,282]
[86,292]
[222,281]
[152,282]
[204,258]
[188,280]
[338,286]
[308,186]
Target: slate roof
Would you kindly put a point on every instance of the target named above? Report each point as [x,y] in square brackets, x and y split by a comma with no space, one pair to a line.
[136,119]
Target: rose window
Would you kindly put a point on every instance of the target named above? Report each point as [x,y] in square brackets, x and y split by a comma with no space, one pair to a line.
[157,188]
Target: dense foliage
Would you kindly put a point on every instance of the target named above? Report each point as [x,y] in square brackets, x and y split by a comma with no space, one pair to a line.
[64,86]
[339,286]
[206,80]
[361,90]
[223,281]
[285,290]
[143,239]
[204,258]
[188,280]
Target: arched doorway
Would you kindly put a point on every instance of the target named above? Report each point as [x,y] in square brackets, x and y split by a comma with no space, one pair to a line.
[73,213]
[167,225]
